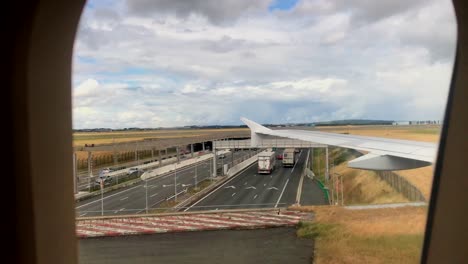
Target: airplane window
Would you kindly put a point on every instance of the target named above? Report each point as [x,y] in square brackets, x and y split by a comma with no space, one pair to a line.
[319,118]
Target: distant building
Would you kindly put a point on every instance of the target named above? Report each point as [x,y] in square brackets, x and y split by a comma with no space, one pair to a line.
[400,123]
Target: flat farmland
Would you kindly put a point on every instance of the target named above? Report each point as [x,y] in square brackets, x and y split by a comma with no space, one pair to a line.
[427,133]
[82,138]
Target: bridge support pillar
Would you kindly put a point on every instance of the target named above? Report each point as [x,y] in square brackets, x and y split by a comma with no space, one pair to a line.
[177,154]
[90,168]
[152,154]
[191,149]
[203,146]
[136,155]
[159,157]
[214,159]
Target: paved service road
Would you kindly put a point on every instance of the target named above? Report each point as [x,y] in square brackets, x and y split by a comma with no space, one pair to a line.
[252,190]
[132,199]
[273,245]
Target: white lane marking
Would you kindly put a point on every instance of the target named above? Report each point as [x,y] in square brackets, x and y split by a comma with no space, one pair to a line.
[170,197]
[108,196]
[281,195]
[232,178]
[121,209]
[125,198]
[232,186]
[255,196]
[168,185]
[233,194]
[295,163]
[251,187]
[154,195]
[272,188]
[154,186]
[264,184]
[245,183]
[83,214]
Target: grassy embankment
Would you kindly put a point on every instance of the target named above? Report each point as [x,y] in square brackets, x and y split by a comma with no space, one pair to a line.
[392,235]
[364,186]
[360,186]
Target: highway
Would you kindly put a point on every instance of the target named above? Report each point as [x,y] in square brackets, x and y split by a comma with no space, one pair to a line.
[84,180]
[132,199]
[252,190]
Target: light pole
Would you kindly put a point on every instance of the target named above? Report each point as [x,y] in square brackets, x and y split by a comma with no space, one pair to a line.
[196,174]
[211,174]
[146,194]
[222,167]
[338,180]
[175,182]
[342,198]
[102,195]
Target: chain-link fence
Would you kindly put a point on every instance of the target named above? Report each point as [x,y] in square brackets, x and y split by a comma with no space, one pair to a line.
[402,185]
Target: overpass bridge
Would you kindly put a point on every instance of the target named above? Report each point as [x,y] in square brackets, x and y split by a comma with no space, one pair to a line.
[265,143]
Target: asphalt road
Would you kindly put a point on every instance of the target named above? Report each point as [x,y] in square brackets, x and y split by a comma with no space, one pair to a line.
[274,245]
[252,190]
[132,199]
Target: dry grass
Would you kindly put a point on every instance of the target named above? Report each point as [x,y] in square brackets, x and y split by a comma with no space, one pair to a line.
[365,187]
[84,154]
[428,133]
[421,178]
[391,235]
[81,138]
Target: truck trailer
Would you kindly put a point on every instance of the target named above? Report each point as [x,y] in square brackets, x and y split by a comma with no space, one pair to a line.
[289,157]
[266,162]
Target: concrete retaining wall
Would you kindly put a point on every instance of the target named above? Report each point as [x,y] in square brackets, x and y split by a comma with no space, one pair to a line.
[237,168]
[183,163]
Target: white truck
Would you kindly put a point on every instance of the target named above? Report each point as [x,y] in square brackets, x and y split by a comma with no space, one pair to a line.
[266,162]
[289,157]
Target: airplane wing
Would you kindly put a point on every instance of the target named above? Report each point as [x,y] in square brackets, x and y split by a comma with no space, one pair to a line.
[382,153]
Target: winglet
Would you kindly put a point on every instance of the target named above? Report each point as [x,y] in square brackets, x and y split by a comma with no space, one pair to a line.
[255,131]
[254,127]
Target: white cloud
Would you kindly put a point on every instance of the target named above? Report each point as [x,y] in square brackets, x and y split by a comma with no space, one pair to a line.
[184,64]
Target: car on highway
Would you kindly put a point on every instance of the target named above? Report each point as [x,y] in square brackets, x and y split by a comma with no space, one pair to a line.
[279,156]
[222,156]
[133,170]
[106,178]
[106,170]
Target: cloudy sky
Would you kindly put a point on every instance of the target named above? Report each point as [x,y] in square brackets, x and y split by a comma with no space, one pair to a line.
[163,63]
